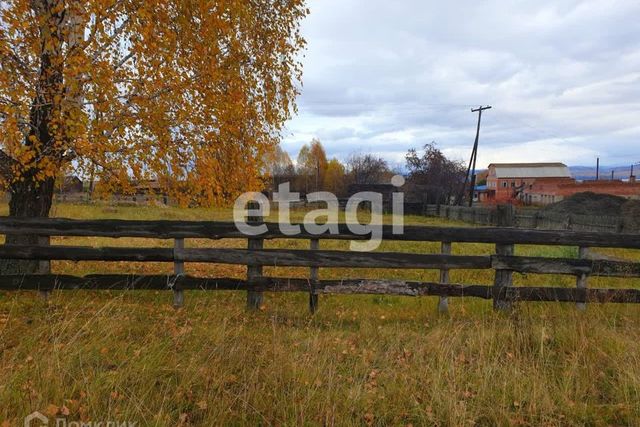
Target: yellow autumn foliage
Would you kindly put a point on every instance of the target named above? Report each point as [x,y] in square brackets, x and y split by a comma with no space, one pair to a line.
[191,93]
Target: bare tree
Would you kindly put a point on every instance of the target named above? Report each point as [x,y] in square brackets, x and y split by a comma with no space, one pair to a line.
[367,169]
[433,177]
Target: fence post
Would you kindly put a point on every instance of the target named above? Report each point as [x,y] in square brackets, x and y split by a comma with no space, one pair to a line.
[178,270]
[581,281]
[443,302]
[313,278]
[44,266]
[254,298]
[503,278]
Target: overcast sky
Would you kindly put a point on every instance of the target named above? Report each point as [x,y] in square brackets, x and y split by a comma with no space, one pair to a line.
[563,78]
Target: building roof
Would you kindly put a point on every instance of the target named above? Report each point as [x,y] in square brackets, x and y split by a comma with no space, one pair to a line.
[531,170]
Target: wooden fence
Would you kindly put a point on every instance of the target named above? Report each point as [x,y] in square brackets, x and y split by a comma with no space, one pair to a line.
[481,215]
[535,218]
[255,257]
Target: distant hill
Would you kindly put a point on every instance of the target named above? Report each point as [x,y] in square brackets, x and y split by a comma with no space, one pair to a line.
[589,172]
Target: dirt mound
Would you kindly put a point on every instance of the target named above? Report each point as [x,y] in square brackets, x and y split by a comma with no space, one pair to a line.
[631,214]
[591,204]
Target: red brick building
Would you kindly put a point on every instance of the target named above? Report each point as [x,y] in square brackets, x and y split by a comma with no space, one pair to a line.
[507,182]
[544,193]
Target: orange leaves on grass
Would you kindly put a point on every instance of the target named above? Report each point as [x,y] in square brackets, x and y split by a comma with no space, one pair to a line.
[52,410]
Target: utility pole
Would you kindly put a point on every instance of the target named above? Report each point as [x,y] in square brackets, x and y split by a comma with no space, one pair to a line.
[471,169]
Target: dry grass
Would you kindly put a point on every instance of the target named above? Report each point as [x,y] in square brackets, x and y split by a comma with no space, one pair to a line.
[361,360]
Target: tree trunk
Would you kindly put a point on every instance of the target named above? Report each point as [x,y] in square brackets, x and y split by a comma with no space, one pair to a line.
[31,193]
[28,199]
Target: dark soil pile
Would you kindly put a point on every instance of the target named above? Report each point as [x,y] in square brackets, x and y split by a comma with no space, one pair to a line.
[599,205]
[631,214]
[588,204]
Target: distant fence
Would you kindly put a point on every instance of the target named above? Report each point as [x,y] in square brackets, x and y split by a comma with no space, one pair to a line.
[255,257]
[536,219]
[473,215]
[117,199]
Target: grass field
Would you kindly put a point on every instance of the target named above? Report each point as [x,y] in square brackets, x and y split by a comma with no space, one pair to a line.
[361,360]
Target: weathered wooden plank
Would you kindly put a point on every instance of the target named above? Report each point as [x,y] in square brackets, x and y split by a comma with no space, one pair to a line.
[44,266]
[505,215]
[592,295]
[326,258]
[570,266]
[178,270]
[443,302]
[313,278]
[82,253]
[218,229]
[251,257]
[353,286]
[581,280]
[503,280]
[117,282]
[162,229]
[254,269]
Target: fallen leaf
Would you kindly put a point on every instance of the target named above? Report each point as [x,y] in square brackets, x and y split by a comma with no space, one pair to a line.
[52,409]
[368,418]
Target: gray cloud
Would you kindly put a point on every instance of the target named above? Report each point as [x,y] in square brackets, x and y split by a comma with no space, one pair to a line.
[563,78]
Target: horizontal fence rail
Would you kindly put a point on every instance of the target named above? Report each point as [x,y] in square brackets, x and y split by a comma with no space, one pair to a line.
[312,258]
[225,230]
[349,286]
[255,257]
